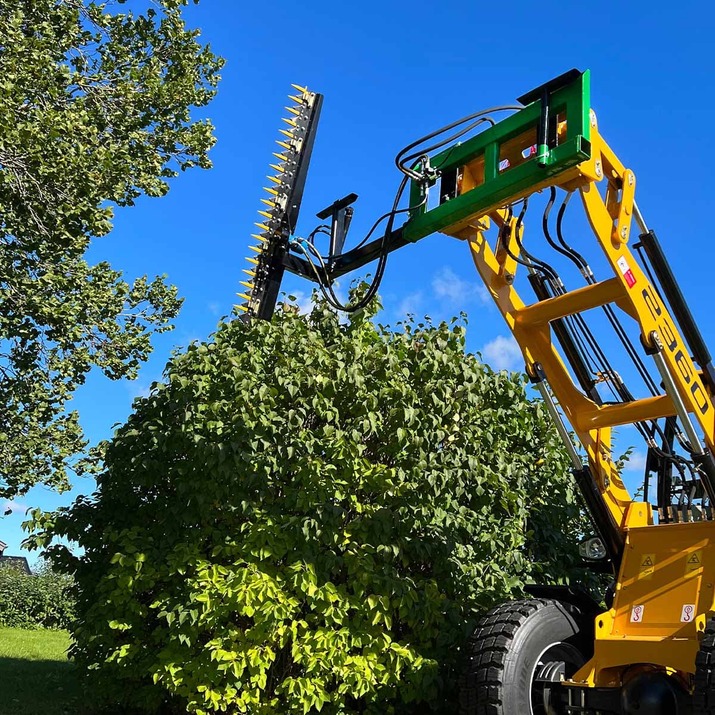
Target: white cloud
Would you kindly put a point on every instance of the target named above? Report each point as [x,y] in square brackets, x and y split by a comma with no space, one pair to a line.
[636,462]
[503,353]
[187,338]
[452,289]
[139,388]
[216,308]
[409,305]
[302,301]
[13,506]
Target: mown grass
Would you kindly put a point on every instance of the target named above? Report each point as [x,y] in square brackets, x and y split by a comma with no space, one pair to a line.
[35,676]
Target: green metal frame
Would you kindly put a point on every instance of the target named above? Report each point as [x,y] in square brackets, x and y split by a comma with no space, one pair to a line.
[500,187]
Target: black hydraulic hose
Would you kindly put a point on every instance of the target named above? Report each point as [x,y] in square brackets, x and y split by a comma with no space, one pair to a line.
[588,275]
[382,261]
[577,323]
[575,256]
[580,329]
[642,427]
[530,263]
[566,250]
[404,160]
[570,345]
[399,159]
[679,307]
[558,288]
[536,263]
[622,391]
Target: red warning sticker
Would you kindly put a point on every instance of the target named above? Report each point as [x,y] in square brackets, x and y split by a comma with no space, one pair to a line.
[626,272]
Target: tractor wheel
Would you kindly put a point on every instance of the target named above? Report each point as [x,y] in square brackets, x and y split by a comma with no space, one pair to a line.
[704,690]
[516,650]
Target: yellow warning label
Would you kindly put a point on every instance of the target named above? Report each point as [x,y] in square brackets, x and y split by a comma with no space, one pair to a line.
[647,566]
[693,561]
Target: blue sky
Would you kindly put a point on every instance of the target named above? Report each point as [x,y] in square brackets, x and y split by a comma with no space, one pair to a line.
[391,72]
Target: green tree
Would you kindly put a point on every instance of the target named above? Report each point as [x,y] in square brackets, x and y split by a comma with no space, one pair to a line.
[42,599]
[95,110]
[308,515]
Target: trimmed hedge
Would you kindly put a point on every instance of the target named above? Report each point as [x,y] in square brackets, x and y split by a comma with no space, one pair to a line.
[309,515]
[40,600]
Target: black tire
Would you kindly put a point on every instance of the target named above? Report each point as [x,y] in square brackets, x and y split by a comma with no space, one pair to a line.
[704,681]
[511,645]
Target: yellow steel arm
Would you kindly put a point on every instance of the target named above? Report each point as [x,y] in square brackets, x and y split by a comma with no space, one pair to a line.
[610,217]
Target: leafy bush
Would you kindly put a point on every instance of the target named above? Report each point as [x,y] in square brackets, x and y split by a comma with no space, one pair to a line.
[40,600]
[308,515]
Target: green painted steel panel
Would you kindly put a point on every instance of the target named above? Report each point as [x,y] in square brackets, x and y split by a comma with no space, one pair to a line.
[499,187]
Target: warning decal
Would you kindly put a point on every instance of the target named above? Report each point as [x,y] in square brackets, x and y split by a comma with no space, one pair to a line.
[637,614]
[694,561]
[647,566]
[687,615]
[626,272]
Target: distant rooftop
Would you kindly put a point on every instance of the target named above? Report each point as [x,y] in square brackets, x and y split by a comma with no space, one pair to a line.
[17,562]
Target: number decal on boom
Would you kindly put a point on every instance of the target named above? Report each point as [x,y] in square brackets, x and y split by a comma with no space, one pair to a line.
[671,343]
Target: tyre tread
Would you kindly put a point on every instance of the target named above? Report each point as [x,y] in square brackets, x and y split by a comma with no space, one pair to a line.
[481,690]
[704,681]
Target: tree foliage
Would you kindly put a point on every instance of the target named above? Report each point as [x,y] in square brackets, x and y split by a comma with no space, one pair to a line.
[39,600]
[308,516]
[95,110]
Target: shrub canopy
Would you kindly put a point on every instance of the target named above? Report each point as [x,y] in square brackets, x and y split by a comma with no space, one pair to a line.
[309,515]
[40,600]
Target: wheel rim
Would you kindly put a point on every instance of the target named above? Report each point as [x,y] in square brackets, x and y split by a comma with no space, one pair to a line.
[555,654]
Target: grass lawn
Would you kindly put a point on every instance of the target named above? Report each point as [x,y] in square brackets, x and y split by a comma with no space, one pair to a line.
[35,676]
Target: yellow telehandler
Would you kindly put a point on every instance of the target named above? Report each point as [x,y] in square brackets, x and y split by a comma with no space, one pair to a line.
[651,650]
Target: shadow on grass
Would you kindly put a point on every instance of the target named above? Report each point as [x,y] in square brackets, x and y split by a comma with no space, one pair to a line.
[39,687]
[46,687]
